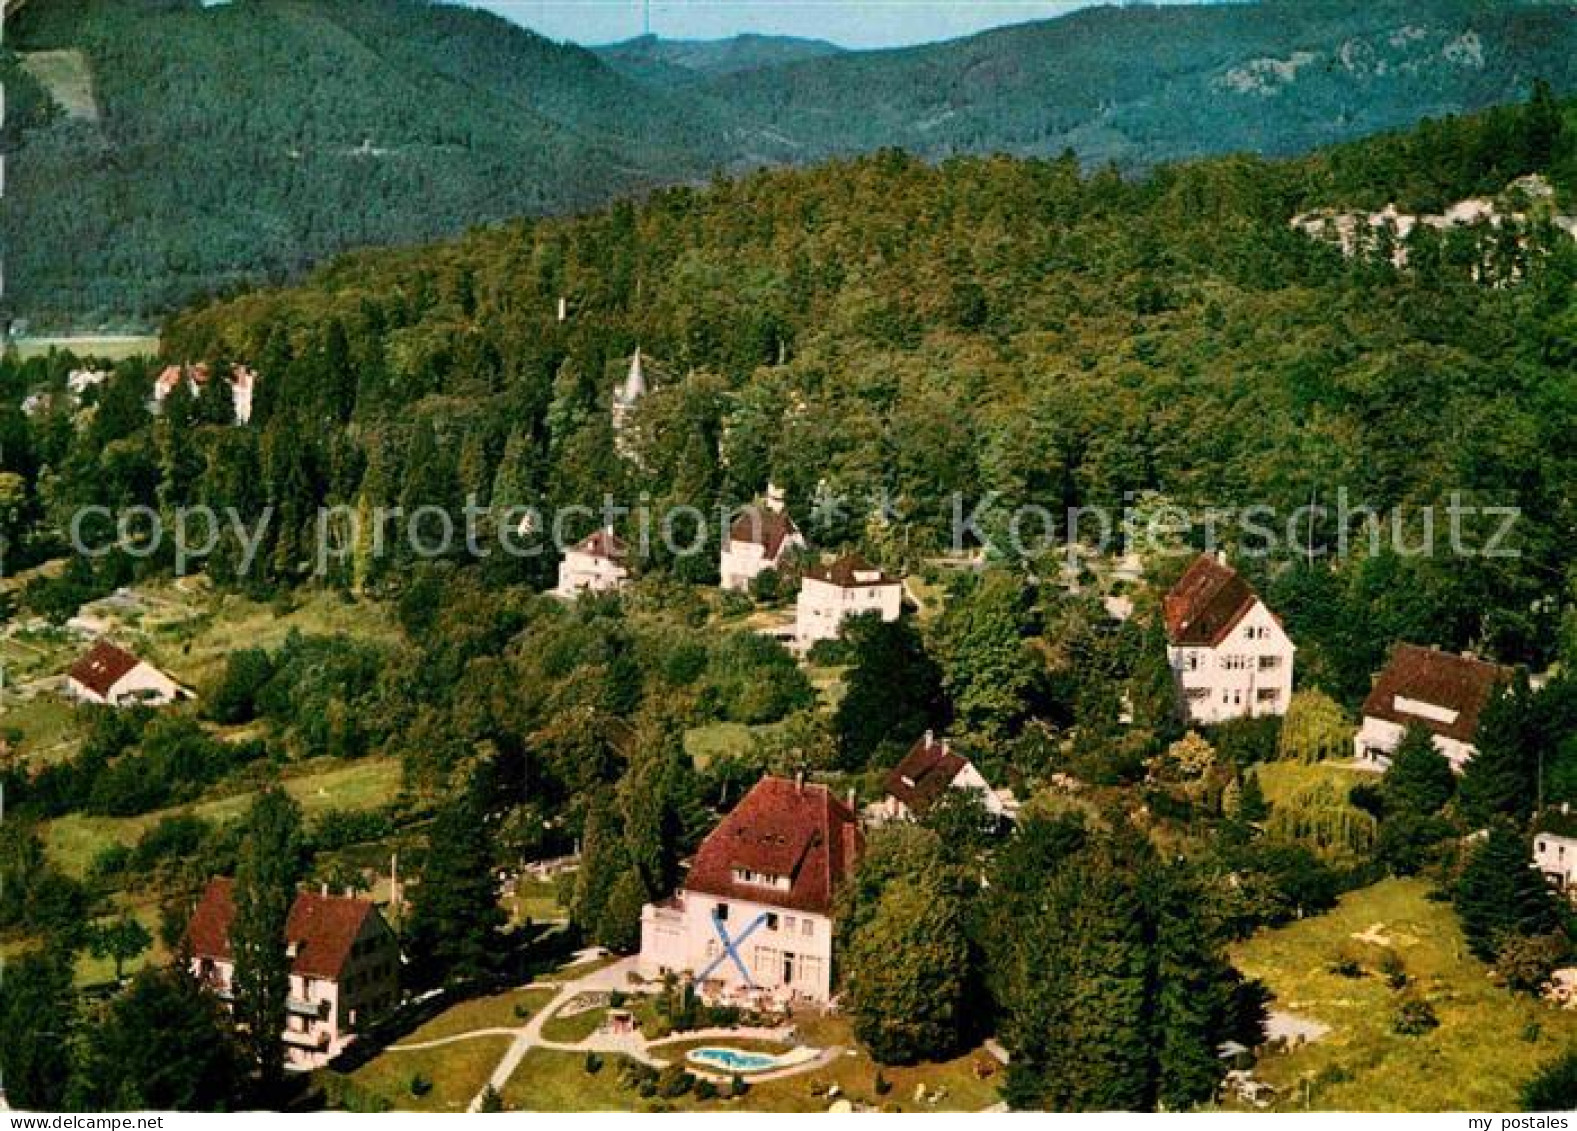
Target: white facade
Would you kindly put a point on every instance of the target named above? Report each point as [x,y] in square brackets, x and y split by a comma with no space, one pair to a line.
[1377,739]
[143,686]
[1247,674]
[788,953]
[592,566]
[824,604]
[758,540]
[997,803]
[242,385]
[1556,857]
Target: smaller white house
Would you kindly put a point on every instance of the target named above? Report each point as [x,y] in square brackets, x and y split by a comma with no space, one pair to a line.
[243,383]
[927,772]
[1555,855]
[595,564]
[111,676]
[758,539]
[1440,691]
[1228,651]
[848,587]
[79,381]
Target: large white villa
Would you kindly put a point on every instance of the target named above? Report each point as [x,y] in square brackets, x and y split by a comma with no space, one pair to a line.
[753,916]
[1440,691]
[758,540]
[831,594]
[595,564]
[1231,657]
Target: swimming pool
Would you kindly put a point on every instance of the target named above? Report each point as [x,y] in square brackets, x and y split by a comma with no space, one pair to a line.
[737,1060]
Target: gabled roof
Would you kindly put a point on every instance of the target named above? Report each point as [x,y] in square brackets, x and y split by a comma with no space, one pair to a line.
[850,571]
[102,667]
[1206,603]
[1444,680]
[603,543]
[925,773]
[322,929]
[764,527]
[781,828]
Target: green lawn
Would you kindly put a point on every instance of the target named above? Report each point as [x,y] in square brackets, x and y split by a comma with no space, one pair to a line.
[68,77]
[573,1029]
[46,725]
[558,1081]
[1488,1043]
[109,347]
[537,900]
[1281,780]
[73,841]
[456,1071]
[508,1010]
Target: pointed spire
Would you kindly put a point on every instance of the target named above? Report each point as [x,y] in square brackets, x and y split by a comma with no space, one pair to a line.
[634,387]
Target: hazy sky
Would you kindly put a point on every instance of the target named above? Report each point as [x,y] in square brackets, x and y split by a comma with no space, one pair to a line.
[853,23]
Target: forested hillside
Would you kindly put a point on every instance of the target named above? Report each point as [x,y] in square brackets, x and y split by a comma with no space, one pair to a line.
[887,329]
[243,142]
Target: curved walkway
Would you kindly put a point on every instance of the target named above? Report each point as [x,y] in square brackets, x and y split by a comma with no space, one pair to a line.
[633,1045]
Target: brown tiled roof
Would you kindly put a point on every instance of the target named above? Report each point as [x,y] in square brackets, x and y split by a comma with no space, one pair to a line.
[843,573]
[1206,603]
[322,928]
[603,543]
[102,667]
[781,828]
[924,774]
[1441,679]
[767,528]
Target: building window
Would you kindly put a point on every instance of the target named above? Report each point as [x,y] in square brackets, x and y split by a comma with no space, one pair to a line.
[1268,695]
[788,923]
[1234,663]
[1196,694]
[808,928]
[1269,663]
[772,921]
[720,912]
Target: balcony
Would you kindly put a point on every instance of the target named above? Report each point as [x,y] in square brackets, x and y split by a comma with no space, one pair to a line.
[304,1008]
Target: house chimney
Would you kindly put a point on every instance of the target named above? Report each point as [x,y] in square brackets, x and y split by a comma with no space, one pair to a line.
[775,498]
[1221,557]
[851,797]
[799,781]
[930,737]
[563,309]
[323,889]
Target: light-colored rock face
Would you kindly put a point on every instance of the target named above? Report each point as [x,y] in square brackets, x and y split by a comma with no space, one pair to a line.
[1407,50]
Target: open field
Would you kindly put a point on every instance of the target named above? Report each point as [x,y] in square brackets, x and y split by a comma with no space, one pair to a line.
[456,1071]
[45,725]
[69,79]
[1488,1043]
[507,1010]
[108,347]
[74,841]
[1281,780]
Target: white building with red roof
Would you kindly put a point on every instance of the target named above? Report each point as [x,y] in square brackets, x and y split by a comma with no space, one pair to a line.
[758,540]
[1231,657]
[595,564]
[344,967]
[108,675]
[752,918]
[243,383]
[927,772]
[830,595]
[1439,691]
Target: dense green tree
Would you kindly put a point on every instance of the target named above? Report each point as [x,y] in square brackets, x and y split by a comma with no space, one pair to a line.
[908,973]
[119,940]
[987,669]
[265,887]
[456,918]
[164,1044]
[1554,1087]
[1499,894]
[1419,780]
[38,1013]
[1501,778]
[893,693]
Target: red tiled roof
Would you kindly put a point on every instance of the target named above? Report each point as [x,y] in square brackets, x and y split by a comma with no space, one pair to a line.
[322,928]
[781,828]
[603,543]
[1441,679]
[767,528]
[845,572]
[924,774]
[102,667]
[171,375]
[1206,603]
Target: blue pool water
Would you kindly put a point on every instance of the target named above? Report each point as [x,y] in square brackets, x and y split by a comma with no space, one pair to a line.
[733,1060]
